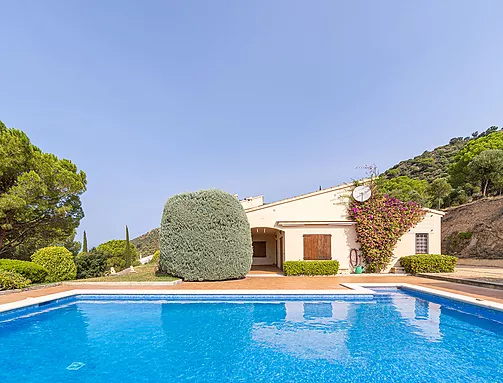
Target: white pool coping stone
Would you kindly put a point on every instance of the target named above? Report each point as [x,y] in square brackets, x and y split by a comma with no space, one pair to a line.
[353,289]
[126,283]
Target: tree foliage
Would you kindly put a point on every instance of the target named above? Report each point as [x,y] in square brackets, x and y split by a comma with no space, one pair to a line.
[39,194]
[127,254]
[406,189]
[487,169]
[438,190]
[115,252]
[451,165]
[91,264]
[84,243]
[459,169]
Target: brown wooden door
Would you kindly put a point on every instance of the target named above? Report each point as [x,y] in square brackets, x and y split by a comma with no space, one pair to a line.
[317,246]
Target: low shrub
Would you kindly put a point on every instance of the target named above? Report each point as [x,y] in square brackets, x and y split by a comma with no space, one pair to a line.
[90,265]
[58,261]
[428,263]
[311,267]
[10,280]
[29,270]
[465,235]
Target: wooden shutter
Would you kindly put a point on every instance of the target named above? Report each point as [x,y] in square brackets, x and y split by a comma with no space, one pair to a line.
[317,246]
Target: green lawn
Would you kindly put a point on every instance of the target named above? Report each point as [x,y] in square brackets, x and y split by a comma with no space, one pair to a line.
[144,273]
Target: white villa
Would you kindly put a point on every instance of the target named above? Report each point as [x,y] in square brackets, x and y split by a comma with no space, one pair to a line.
[315,226]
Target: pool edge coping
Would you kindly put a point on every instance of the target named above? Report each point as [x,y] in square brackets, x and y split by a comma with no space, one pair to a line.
[441,293]
[354,289]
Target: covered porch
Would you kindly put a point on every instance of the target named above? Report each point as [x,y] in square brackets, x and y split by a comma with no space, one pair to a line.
[268,247]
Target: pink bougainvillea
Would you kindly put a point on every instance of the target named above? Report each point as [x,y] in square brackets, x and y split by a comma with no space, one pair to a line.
[380,222]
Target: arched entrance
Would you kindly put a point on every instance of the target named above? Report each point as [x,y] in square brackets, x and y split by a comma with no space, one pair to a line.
[268,246]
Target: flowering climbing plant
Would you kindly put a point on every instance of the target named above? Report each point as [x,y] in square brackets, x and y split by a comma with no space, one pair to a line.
[380,222]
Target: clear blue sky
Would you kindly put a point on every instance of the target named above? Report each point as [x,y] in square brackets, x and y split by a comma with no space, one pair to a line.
[152,98]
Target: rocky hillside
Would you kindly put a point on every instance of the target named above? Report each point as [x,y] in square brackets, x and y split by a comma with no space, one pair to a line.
[147,243]
[474,230]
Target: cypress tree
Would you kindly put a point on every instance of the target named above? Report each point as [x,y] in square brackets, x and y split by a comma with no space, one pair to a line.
[84,243]
[128,250]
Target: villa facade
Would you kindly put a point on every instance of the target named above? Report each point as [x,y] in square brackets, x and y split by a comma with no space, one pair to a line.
[315,226]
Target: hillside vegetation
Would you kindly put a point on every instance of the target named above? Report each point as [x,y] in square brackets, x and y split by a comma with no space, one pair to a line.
[465,169]
[148,243]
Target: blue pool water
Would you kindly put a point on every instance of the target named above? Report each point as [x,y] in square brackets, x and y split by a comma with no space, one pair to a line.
[395,336]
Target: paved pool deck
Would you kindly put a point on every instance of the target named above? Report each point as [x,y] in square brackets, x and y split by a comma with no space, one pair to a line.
[477,273]
[276,283]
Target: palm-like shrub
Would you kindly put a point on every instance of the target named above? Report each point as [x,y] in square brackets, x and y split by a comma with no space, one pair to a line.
[29,270]
[58,261]
[205,236]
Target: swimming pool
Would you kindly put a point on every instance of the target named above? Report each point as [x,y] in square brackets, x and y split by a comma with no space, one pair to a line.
[392,336]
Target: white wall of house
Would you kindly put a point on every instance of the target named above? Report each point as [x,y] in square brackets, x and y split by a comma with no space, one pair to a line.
[325,212]
[431,225]
[343,239]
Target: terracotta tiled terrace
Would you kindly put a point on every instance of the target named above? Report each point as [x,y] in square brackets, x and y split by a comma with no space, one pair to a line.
[278,283]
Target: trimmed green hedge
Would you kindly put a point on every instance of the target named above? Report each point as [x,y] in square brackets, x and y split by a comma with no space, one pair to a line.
[311,267]
[428,263]
[10,280]
[29,270]
[205,236]
[58,261]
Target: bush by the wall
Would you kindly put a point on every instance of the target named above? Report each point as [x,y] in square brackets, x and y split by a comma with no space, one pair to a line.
[115,252]
[10,280]
[311,267]
[58,261]
[29,270]
[90,265]
[428,263]
[205,236]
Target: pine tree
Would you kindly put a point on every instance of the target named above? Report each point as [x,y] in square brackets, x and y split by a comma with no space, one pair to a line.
[128,249]
[84,243]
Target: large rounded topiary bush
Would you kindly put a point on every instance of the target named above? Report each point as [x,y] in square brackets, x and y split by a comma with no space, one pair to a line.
[205,236]
[58,261]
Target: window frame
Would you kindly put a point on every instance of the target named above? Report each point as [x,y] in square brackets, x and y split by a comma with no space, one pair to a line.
[265,249]
[418,238]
